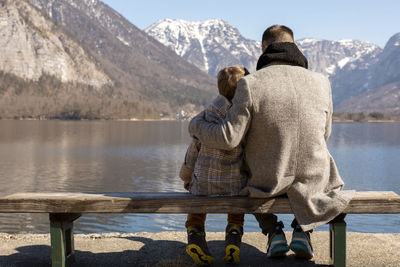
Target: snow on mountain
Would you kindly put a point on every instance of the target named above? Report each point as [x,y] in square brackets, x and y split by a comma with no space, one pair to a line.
[378,88]
[210,45]
[347,63]
[214,44]
[329,57]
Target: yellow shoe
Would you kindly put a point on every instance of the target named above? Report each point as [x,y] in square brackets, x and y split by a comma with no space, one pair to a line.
[232,254]
[233,239]
[197,246]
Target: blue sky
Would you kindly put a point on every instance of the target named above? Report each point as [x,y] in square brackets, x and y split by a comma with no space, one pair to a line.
[367,20]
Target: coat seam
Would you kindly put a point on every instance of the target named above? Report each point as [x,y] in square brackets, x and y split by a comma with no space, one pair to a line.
[298,128]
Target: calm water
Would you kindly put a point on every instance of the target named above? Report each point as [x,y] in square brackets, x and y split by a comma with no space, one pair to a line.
[111,156]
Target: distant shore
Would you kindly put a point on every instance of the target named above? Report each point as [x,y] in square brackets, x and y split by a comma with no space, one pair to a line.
[365,117]
[168,249]
[366,121]
[105,119]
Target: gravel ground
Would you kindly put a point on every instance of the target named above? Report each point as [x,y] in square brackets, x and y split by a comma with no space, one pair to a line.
[168,249]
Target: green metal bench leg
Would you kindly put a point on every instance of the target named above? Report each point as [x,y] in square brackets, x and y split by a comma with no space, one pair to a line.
[62,239]
[337,231]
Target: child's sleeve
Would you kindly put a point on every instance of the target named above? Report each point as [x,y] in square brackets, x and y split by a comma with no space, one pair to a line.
[190,160]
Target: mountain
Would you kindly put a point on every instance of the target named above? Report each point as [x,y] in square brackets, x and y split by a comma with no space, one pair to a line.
[81,59]
[32,45]
[384,99]
[44,71]
[144,78]
[210,45]
[387,70]
[204,41]
[382,88]
[329,57]
[346,62]
[353,67]
[136,61]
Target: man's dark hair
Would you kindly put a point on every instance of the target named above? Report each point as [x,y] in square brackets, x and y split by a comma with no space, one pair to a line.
[277,34]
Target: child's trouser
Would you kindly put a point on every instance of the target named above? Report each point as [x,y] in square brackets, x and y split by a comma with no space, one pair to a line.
[198,219]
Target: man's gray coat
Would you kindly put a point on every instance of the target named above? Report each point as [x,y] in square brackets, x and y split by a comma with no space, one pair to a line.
[283,114]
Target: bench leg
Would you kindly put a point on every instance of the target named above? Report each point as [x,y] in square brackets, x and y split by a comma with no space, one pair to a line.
[337,231]
[62,239]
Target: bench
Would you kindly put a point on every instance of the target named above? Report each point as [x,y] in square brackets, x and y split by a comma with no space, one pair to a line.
[64,208]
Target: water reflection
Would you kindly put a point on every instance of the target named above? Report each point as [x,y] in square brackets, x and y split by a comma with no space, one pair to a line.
[111,156]
[368,155]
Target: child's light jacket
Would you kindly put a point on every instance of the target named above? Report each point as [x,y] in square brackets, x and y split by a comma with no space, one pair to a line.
[214,171]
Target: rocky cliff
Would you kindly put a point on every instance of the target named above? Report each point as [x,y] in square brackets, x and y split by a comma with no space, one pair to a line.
[81,59]
[143,68]
[32,45]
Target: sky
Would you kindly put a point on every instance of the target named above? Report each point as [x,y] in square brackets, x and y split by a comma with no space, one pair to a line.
[366,20]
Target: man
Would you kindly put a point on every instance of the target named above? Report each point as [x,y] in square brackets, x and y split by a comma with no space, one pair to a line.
[283,113]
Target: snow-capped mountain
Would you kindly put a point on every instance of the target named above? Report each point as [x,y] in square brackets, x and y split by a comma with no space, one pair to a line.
[329,57]
[210,45]
[347,63]
[381,89]
[214,44]
[388,69]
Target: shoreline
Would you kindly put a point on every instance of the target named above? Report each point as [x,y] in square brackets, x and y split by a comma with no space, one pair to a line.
[129,120]
[168,249]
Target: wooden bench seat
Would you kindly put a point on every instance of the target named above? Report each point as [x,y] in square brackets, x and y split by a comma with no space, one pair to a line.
[64,208]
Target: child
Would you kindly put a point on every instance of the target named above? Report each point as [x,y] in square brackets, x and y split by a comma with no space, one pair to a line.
[210,171]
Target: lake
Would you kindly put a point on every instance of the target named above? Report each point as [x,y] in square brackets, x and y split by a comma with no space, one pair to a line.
[128,156]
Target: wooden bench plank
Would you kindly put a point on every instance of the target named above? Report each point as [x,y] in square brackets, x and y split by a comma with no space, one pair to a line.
[67,205]
[373,202]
